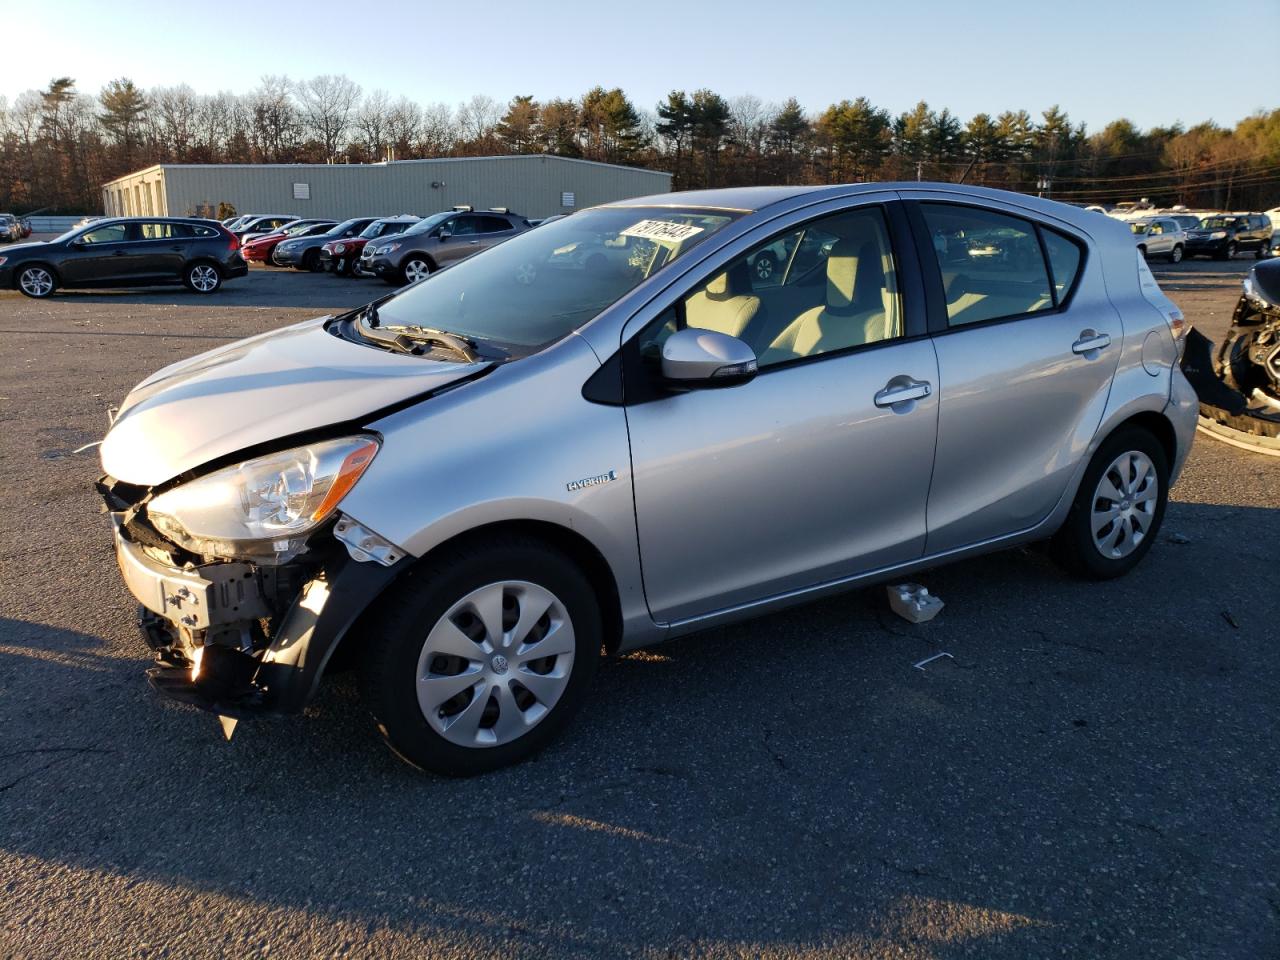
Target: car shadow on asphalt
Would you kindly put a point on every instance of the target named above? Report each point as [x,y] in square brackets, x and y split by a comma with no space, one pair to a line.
[1084,771]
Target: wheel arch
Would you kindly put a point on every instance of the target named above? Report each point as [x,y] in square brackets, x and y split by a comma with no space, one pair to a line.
[581,551]
[1158,425]
[203,258]
[18,268]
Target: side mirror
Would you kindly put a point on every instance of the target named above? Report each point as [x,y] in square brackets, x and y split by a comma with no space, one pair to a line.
[444,234]
[693,359]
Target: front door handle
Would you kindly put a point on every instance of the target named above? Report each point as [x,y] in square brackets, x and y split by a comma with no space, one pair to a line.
[119,253]
[902,390]
[1090,342]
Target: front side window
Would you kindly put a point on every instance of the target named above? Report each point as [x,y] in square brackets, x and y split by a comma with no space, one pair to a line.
[832,285]
[114,233]
[461,227]
[991,264]
[541,285]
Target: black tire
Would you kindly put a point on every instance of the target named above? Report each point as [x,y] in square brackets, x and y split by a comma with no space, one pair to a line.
[1228,252]
[410,611]
[1175,255]
[36,280]
[202,277]
[1263,249]
[311,261]
[1073,545]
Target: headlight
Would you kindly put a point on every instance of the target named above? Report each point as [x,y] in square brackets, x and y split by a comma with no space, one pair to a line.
[389,248]
[1218,235]
[263,508]
[339,248]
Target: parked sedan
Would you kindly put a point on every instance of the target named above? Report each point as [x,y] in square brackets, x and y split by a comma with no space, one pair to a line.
[478,482]
[262,223]
[126,251]
[10,228]
[262,249]
[439,241]
[303,252]
[341,255]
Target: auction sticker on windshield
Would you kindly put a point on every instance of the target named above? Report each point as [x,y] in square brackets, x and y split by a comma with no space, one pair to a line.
[662,230]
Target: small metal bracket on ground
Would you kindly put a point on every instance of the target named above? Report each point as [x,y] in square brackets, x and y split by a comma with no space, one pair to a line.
[937,656]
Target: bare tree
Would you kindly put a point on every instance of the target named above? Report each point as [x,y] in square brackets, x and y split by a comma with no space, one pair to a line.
[437,132]
[328,104]
[373,124]
[478,118]
[177,113]
[276,123]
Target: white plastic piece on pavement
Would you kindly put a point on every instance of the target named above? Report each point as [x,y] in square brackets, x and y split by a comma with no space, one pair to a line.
[912,602]
[937,656]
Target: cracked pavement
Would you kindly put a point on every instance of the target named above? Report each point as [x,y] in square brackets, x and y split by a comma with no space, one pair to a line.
[1094,775]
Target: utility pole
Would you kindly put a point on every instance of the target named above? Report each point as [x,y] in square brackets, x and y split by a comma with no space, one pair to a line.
[919,169]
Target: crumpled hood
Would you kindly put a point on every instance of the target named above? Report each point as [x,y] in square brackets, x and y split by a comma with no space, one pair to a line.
[249,392]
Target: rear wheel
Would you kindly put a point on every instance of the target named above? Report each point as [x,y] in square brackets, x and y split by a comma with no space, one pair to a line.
[1118,508]
[1228,252]
[1263,249]
[482,656]
[202,277]
[37,281]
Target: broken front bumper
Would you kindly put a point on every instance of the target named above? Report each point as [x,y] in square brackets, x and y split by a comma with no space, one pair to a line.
[236,639]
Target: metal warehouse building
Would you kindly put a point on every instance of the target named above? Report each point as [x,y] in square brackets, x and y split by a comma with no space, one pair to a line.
[532,185]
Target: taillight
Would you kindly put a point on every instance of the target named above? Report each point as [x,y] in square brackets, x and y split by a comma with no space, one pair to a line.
[235,243]
[1179,326]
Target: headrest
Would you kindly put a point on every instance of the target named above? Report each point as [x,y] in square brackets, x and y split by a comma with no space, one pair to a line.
[734,282]
[854,273]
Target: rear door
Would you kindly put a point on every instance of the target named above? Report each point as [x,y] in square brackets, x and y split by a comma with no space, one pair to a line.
[1027,344]
[161,250]
[100,255]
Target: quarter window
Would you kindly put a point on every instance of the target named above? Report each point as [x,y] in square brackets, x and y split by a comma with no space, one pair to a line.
[991,264]
[493,225]
[1064,261]
[827,286]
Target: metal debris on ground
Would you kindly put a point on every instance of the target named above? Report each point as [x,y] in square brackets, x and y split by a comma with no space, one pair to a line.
[937,656]
[912,602]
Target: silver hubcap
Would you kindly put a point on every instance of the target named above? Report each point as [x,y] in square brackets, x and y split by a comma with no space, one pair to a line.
[495,664]
[415,270]
[36,282]
[764,268]
[204,278]
[1124,505]
[1177,254]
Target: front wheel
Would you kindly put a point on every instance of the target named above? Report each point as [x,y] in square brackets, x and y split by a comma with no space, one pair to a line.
[36,281]
[1175,255]
[482,656]
[415,270]
[1264,248]
[1229,251]
[1118,509]
[203,278]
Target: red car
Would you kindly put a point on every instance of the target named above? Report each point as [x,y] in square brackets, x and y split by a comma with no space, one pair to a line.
[341,256]
[261,249]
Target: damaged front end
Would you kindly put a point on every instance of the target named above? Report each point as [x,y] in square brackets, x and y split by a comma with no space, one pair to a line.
[1238,383]
[241,628]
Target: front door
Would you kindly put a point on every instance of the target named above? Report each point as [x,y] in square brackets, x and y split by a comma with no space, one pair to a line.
[817,469]
[1027,344]
[100,255]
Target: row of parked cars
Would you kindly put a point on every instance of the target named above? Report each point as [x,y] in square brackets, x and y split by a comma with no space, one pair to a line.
[13,228]
[1220,235]
[399,249]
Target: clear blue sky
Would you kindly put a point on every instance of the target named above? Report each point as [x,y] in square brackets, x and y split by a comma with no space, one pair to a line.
[1098,60]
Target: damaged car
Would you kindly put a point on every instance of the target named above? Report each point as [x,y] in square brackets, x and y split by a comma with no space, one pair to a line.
[474,486]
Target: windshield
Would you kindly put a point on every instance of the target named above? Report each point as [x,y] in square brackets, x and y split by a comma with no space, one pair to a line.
[295,229]
[543,284]
[381,228]
[338,229]
[1217,223]
[425,224]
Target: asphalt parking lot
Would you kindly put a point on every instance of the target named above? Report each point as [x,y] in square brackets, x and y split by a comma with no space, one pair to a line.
[1094,775]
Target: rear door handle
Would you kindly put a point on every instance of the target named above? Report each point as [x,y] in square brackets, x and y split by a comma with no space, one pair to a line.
[1091,342]
[901,390]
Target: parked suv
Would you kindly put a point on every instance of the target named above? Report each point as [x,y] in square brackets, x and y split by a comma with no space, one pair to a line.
[126,251]
[1221,236]
[342,255]
[439,241]
[478,482]
[1160,237]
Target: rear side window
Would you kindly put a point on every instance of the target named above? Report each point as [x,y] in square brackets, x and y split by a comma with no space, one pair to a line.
[205,231]
[493,225]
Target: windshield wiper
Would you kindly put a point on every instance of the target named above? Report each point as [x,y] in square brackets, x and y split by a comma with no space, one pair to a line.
[465,347]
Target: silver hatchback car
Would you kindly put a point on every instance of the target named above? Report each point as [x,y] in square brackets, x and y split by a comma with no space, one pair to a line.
[611,431]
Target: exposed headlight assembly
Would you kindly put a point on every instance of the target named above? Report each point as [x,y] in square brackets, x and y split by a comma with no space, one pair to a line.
[264,508]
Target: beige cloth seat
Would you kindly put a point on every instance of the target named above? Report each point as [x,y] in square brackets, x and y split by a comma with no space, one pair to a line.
[860,307]
[725,304]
